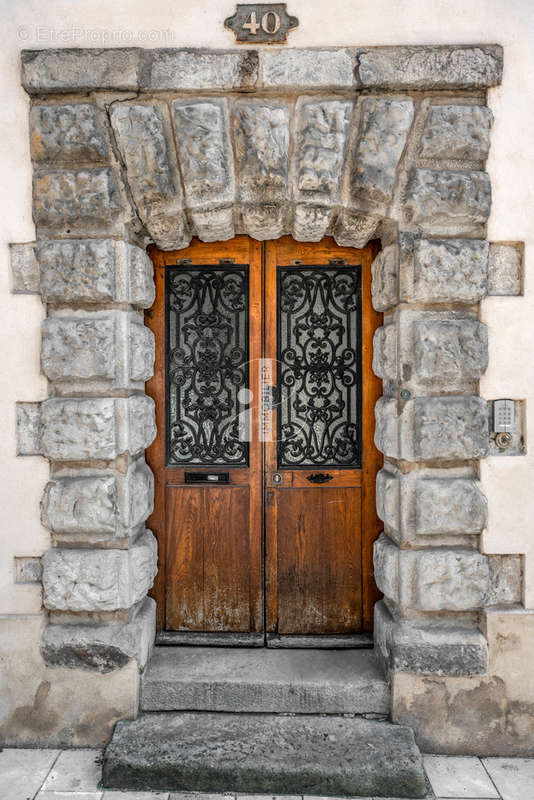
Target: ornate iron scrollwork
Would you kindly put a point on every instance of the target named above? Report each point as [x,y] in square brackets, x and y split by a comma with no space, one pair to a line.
[206,364]
[319,353]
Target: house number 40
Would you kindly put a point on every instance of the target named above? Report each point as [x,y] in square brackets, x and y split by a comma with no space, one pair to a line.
[261,22]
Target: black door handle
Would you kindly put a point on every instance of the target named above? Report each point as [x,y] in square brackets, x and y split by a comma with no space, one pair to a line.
[319,477]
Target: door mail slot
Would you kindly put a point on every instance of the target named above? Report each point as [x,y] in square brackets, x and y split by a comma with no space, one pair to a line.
[207,477]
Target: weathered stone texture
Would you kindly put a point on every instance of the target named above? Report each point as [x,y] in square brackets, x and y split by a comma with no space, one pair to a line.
[28,429]
[310,223]
[424,67]
[449,351]
[457,132]
[25,278]
[95,271]
[445,271]
[505,268]
[200,69]
[141,346]
[103,648]
[313,69]
[448,201]
[142,139]
[436,649]
[95,506]
[28,569]
[261,132]
[353,229]
[431,580]
[80,70]
[385,352]
[385,283]
[74,132]
[77,198]
[506,580]
[384,129]
[99,580]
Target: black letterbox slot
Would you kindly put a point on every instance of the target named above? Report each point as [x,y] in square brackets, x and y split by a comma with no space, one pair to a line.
[207,477]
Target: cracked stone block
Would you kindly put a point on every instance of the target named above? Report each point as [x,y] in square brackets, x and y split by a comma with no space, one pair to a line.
[100,428]
[77,198]
[71,132]
[102,648]
[430,502]
[95,271]
[99,580]
[457,132]
[384,286]
[433,428]
[385,125]
[96,349]
[431,580]
[24,266]
[303,69]
[173,69]
[444,271]
[353,229]
[448,202]
[142,133]
[261,131]
[28,429]
[97,506]
[438,647]
[429,67]
[80,69]
[505,268]
[28,569]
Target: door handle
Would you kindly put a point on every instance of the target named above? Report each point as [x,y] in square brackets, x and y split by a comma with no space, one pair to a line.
[319,477]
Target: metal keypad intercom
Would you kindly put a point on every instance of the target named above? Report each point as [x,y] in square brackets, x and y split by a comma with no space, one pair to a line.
[503,422]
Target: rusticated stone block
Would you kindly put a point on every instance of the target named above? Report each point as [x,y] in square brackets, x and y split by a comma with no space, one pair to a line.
[457,132]
[202,138]
[103,648]
[505,268]
[353,229]
[506,580]
[92,506]
[384,129]
[311,223]
[77,198]
[303,69]
[100,428]
[95,271]
[111,349]
[99,580]
[387,427]
[25,278]
[429,502]
[431,580]
[433,648]
[141,134]
[72,132]
[28,569]
[444,271]
[385,283]
[429,67]
[28,429]
[80,69]
[448,201]
[385,352]
[173,69]
[263,222]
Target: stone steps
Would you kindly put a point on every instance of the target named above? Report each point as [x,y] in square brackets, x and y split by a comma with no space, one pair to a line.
[262,680]
[264,753]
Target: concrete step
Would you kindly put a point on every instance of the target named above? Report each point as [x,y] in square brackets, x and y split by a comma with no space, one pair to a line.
[264,753]
[263,680]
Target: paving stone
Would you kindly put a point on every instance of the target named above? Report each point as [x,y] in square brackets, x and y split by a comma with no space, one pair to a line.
[384,129]
[448,201]
[24,266]
[505,268]
[22,772]
[305,69]
[72,132]
[457,132]
[444,271]
[69,796]
[461,776]
[202,69]
[99,580]
[77,199]
[513,777]
[264,753]
[429,67]
[75,771]
[143,796]
[80,69]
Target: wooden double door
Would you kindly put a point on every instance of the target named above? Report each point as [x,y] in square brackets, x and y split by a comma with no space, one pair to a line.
[264,461]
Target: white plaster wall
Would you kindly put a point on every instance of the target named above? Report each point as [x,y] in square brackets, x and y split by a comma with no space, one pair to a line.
[509,482]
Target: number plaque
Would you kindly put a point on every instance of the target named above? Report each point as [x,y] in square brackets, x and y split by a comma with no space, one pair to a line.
[261,23]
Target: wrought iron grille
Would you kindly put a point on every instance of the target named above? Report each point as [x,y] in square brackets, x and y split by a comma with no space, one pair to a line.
[206,365]
[319,366]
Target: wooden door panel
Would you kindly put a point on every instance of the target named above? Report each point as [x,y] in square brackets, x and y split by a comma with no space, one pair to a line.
[319,560]
[208,586]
